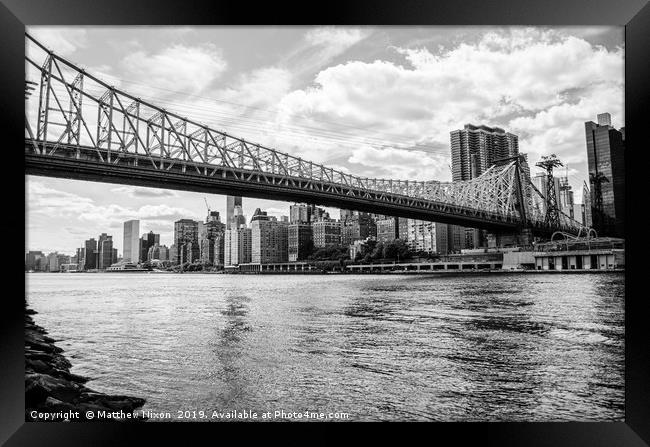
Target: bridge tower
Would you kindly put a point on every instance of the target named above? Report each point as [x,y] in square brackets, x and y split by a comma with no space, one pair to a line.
[549,162]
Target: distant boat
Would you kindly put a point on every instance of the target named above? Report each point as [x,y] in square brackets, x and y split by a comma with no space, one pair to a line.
[125,267]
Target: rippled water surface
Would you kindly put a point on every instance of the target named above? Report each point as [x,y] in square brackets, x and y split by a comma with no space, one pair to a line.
[462,347]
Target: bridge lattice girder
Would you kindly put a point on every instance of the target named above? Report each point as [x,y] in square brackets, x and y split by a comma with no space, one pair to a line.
[76,109]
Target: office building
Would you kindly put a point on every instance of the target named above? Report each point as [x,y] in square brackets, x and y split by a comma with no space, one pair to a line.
[237,246]
[105,255]
[269,239]
[146,242]
[606,162]
[359,226]
[211,239]
[232,218]
[429,237]
[158,253]
[90,250]
[131,247]
[300,241]
[391,228]
[32,260]
[326,233]
[186,239]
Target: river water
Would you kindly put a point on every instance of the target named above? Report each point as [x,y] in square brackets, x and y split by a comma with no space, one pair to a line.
[438,347]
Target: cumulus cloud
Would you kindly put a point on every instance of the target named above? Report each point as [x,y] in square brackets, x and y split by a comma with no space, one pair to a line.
[541,83]
[189,69]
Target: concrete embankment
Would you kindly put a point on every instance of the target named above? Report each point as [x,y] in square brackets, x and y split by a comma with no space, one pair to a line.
[51,389]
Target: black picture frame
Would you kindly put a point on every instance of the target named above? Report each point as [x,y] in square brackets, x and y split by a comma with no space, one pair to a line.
[633,14]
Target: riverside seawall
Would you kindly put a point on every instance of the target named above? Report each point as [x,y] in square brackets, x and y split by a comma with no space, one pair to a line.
[54,394]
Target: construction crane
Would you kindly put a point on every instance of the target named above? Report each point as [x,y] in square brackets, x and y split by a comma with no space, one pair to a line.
[206,205]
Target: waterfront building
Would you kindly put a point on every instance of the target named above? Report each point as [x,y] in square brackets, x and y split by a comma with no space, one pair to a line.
[32,259]
[601,253]
[146,242]
[391,228]
[105,254]
[300,241]
[358,227]
[172,256]
[233,220]
[52,262]
[131,247]
[237,246]
[91,254]
[158,252]
[186,239]
[211,239]
[606,162]
[219,249]
[269,239]
[81,258]
[326,233]
[430,237]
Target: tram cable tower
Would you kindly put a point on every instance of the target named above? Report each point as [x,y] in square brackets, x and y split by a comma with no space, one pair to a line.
[548,162]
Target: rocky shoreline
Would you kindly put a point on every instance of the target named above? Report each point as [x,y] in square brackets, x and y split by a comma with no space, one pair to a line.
[51,389]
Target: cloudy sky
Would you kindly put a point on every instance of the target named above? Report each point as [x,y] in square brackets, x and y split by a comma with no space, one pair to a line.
[373,101]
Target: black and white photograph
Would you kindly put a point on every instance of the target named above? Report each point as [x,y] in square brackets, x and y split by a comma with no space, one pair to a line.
[325,223]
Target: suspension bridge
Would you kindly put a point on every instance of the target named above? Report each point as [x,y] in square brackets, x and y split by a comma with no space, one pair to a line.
[86,129]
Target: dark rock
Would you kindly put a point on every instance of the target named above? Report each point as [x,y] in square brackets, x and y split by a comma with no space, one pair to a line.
[50,386]
[42,346]
[39,384]
[113,403]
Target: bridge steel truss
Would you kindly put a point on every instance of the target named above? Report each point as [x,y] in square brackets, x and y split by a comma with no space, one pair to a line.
[88,129]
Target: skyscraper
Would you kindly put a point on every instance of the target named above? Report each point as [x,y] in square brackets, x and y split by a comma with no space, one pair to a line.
[104,251]
[237,246]
[31,259]
[91,254]
[269,239]
[186,240]
[473,150]
[606,161]
[211,239]
[146,242]
[131,247]
[301,242]
[231,203]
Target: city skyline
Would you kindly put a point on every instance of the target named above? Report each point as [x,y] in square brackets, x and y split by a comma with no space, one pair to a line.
[545,112]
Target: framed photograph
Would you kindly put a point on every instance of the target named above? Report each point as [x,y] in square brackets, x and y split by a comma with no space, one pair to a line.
[416,212]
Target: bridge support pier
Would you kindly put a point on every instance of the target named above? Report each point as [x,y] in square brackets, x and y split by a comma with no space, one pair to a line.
[521,238]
